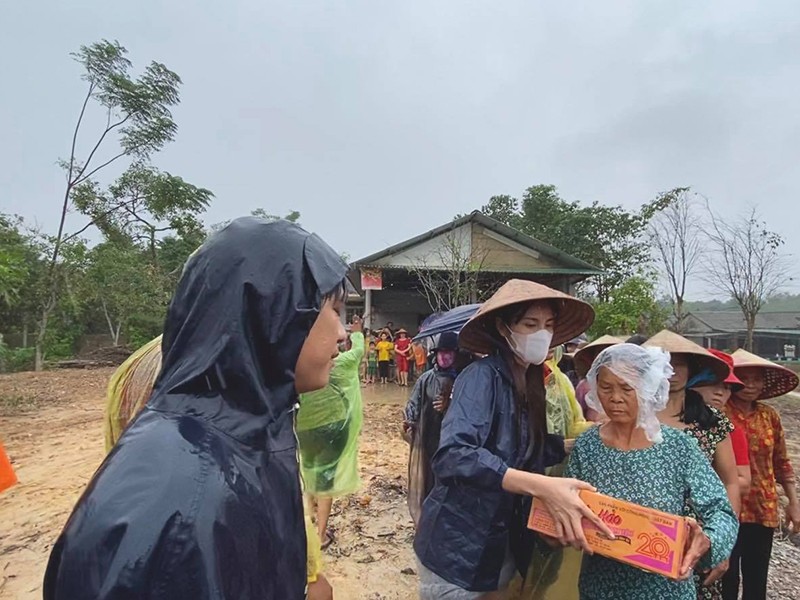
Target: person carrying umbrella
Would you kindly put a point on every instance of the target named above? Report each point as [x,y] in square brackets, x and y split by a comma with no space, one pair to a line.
[423,414]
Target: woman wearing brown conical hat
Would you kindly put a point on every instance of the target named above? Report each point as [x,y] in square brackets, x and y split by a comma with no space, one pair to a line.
[494,447]
[583,362]
[687,411]
[769,465]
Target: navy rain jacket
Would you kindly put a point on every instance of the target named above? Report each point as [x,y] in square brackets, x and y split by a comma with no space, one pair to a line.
[200,498]
[468,521]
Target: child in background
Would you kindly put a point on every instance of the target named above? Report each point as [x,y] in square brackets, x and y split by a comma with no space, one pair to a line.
[420,358]
[385,349]
[402,352]
[372,363]
[368,339]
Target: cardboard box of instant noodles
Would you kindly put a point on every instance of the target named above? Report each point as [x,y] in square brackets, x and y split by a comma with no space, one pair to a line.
[645,538]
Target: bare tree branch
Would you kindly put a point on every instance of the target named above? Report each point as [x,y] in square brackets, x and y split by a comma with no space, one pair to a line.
[96,220]
[75,133]
[79,177]
[83,178]
[747,263]
[677,236]
[449,274]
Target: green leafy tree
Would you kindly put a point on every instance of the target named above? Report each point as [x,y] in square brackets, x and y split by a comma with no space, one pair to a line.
[23,265]
[142,205]
[175,250]
[632,307]
[138,123]
[124,285]
[14,260]
[261,213]
[505,209]
[608,237]
[292,217]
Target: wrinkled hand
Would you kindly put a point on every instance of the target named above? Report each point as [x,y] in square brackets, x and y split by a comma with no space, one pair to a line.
[320,589]
[560,496]
[716,573]
[697,544]
[793,517]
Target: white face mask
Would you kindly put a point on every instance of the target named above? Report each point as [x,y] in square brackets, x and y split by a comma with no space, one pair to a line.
[531,348]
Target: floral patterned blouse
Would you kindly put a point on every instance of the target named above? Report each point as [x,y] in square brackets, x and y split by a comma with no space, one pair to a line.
[709,439]
[660,477]
[769,462]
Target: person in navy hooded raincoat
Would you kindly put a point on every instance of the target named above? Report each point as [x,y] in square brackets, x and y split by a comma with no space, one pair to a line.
[201,497]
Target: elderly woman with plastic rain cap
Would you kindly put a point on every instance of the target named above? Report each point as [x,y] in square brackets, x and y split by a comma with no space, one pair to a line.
[583,362]
[633,457]
[494,448]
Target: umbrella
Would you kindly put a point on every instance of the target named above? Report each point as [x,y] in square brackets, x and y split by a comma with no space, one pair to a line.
[451,320]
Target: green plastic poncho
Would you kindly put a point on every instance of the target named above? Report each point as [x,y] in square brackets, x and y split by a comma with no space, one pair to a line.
[129,389]
[328,426]
[564,414]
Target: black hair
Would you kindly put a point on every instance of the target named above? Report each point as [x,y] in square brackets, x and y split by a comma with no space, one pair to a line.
[514,312]
[529,390]
[695,410]
[637,338]
[339,292]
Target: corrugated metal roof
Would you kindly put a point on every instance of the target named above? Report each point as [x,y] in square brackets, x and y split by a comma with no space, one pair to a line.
[733,320]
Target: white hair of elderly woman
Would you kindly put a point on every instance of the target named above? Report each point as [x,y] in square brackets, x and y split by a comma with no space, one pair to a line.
[647,370]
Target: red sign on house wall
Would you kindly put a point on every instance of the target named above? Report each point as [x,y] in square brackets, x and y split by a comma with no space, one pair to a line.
[371,279]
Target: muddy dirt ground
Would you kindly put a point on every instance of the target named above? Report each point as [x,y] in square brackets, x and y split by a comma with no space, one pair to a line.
[51,425]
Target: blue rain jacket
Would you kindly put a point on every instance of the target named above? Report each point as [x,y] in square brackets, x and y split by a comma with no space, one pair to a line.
[200,499]
[468,521]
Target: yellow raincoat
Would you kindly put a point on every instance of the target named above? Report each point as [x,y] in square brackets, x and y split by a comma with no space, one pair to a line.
[553,574]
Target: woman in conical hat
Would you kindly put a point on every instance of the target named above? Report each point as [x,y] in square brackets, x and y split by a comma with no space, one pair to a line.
[494,448]
[583,362]
[769,466]
[716,394]
[687,411]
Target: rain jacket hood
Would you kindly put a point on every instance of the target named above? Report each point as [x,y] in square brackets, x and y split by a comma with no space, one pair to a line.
[200,498]
[237,323]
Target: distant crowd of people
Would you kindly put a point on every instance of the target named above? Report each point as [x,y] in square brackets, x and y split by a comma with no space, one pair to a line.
[392,356]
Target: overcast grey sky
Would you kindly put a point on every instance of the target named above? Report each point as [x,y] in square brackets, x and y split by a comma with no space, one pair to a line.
[379,120]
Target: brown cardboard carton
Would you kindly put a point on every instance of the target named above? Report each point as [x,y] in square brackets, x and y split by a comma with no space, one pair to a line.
[645,538]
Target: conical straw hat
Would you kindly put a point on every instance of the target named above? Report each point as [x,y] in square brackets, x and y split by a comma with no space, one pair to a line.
[585,356]
[700,357]
[574,316]
[778,380]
